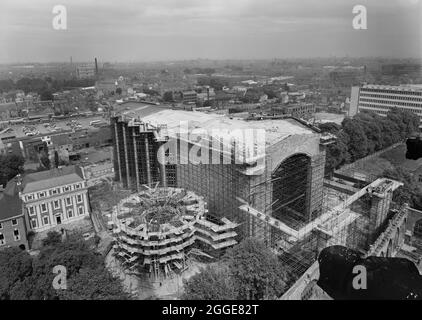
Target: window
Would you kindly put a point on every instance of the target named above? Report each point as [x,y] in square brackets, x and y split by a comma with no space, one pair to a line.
[70,213]
[43,207]
[1,225]
[79,198]
[56,204]
[77,186]
[81,211]
[16,235]
[45,220]
[14,222]
[41,195]
[34,223]
[31,211]
[2,241]
[53,192]
[30,197]
[68,201]
[67,188]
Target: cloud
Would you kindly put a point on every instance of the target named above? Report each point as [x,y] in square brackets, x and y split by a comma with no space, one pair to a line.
[187,28]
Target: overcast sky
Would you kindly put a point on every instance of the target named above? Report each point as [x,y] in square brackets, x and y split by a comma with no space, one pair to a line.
[149,30]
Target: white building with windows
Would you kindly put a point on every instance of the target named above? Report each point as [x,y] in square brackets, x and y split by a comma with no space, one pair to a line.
[381,98]
[54,197]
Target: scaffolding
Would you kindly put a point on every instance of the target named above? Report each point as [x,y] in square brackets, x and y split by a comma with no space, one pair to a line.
[159,230]
[354,221]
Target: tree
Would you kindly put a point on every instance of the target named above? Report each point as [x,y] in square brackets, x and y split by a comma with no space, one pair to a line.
[45,160]
[255,270]
[247,271]
[46,95]
[119,91]
[330,127]
[366,133]
[168,96]
[93,284]
[212,283]
[30,277]
[410,192]
[371,127]
[15,266]
[337,153]
[53,238]
[10,166]
[358,145]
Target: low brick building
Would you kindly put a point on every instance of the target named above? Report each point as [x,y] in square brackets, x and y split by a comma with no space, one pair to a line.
[12,218]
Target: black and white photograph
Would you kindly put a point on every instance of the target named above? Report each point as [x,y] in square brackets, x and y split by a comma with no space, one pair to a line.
[210,158]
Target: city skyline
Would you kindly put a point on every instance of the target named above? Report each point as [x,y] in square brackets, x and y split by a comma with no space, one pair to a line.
[145,31]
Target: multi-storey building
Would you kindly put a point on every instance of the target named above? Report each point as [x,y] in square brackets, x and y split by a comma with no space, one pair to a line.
[189,97]
[283,180]
[86,71]
[12,218]
[381,99]
[54,197]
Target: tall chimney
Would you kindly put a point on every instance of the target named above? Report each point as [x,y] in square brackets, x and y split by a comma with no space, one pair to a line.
[96,67]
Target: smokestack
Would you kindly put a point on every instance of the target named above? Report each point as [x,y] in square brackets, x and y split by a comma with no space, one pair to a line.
[96,67]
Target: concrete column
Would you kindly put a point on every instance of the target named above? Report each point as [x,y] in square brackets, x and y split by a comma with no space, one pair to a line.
[50,207]
[147,160]
[135,150]
[378,211]
[64,212]
[38,216]
[126,157]
[161,160]
[75,206]
[117,151]
[85,199]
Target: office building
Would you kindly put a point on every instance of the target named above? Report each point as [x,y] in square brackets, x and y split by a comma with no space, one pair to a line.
[381,99]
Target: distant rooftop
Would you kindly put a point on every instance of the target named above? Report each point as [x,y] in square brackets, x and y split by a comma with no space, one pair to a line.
[403,87]
[51,178]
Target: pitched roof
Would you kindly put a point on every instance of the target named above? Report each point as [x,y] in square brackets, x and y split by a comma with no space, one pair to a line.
[10,203]
[51,178]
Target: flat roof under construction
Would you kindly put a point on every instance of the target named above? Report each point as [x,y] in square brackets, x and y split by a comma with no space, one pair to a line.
[275,129]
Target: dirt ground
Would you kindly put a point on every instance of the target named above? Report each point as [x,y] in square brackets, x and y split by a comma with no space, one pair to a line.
[143,289]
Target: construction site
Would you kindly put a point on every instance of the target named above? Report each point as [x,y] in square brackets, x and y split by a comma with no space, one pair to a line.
[278,195]
[160,231]
[281,172]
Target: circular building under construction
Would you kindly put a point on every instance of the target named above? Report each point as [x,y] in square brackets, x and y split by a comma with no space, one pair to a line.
[158,230]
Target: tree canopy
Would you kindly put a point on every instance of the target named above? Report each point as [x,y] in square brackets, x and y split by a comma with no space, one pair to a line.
[410,192]
[10,166]
[25,277]
[212,283]
[365,134]
[45,86]
[247,271]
